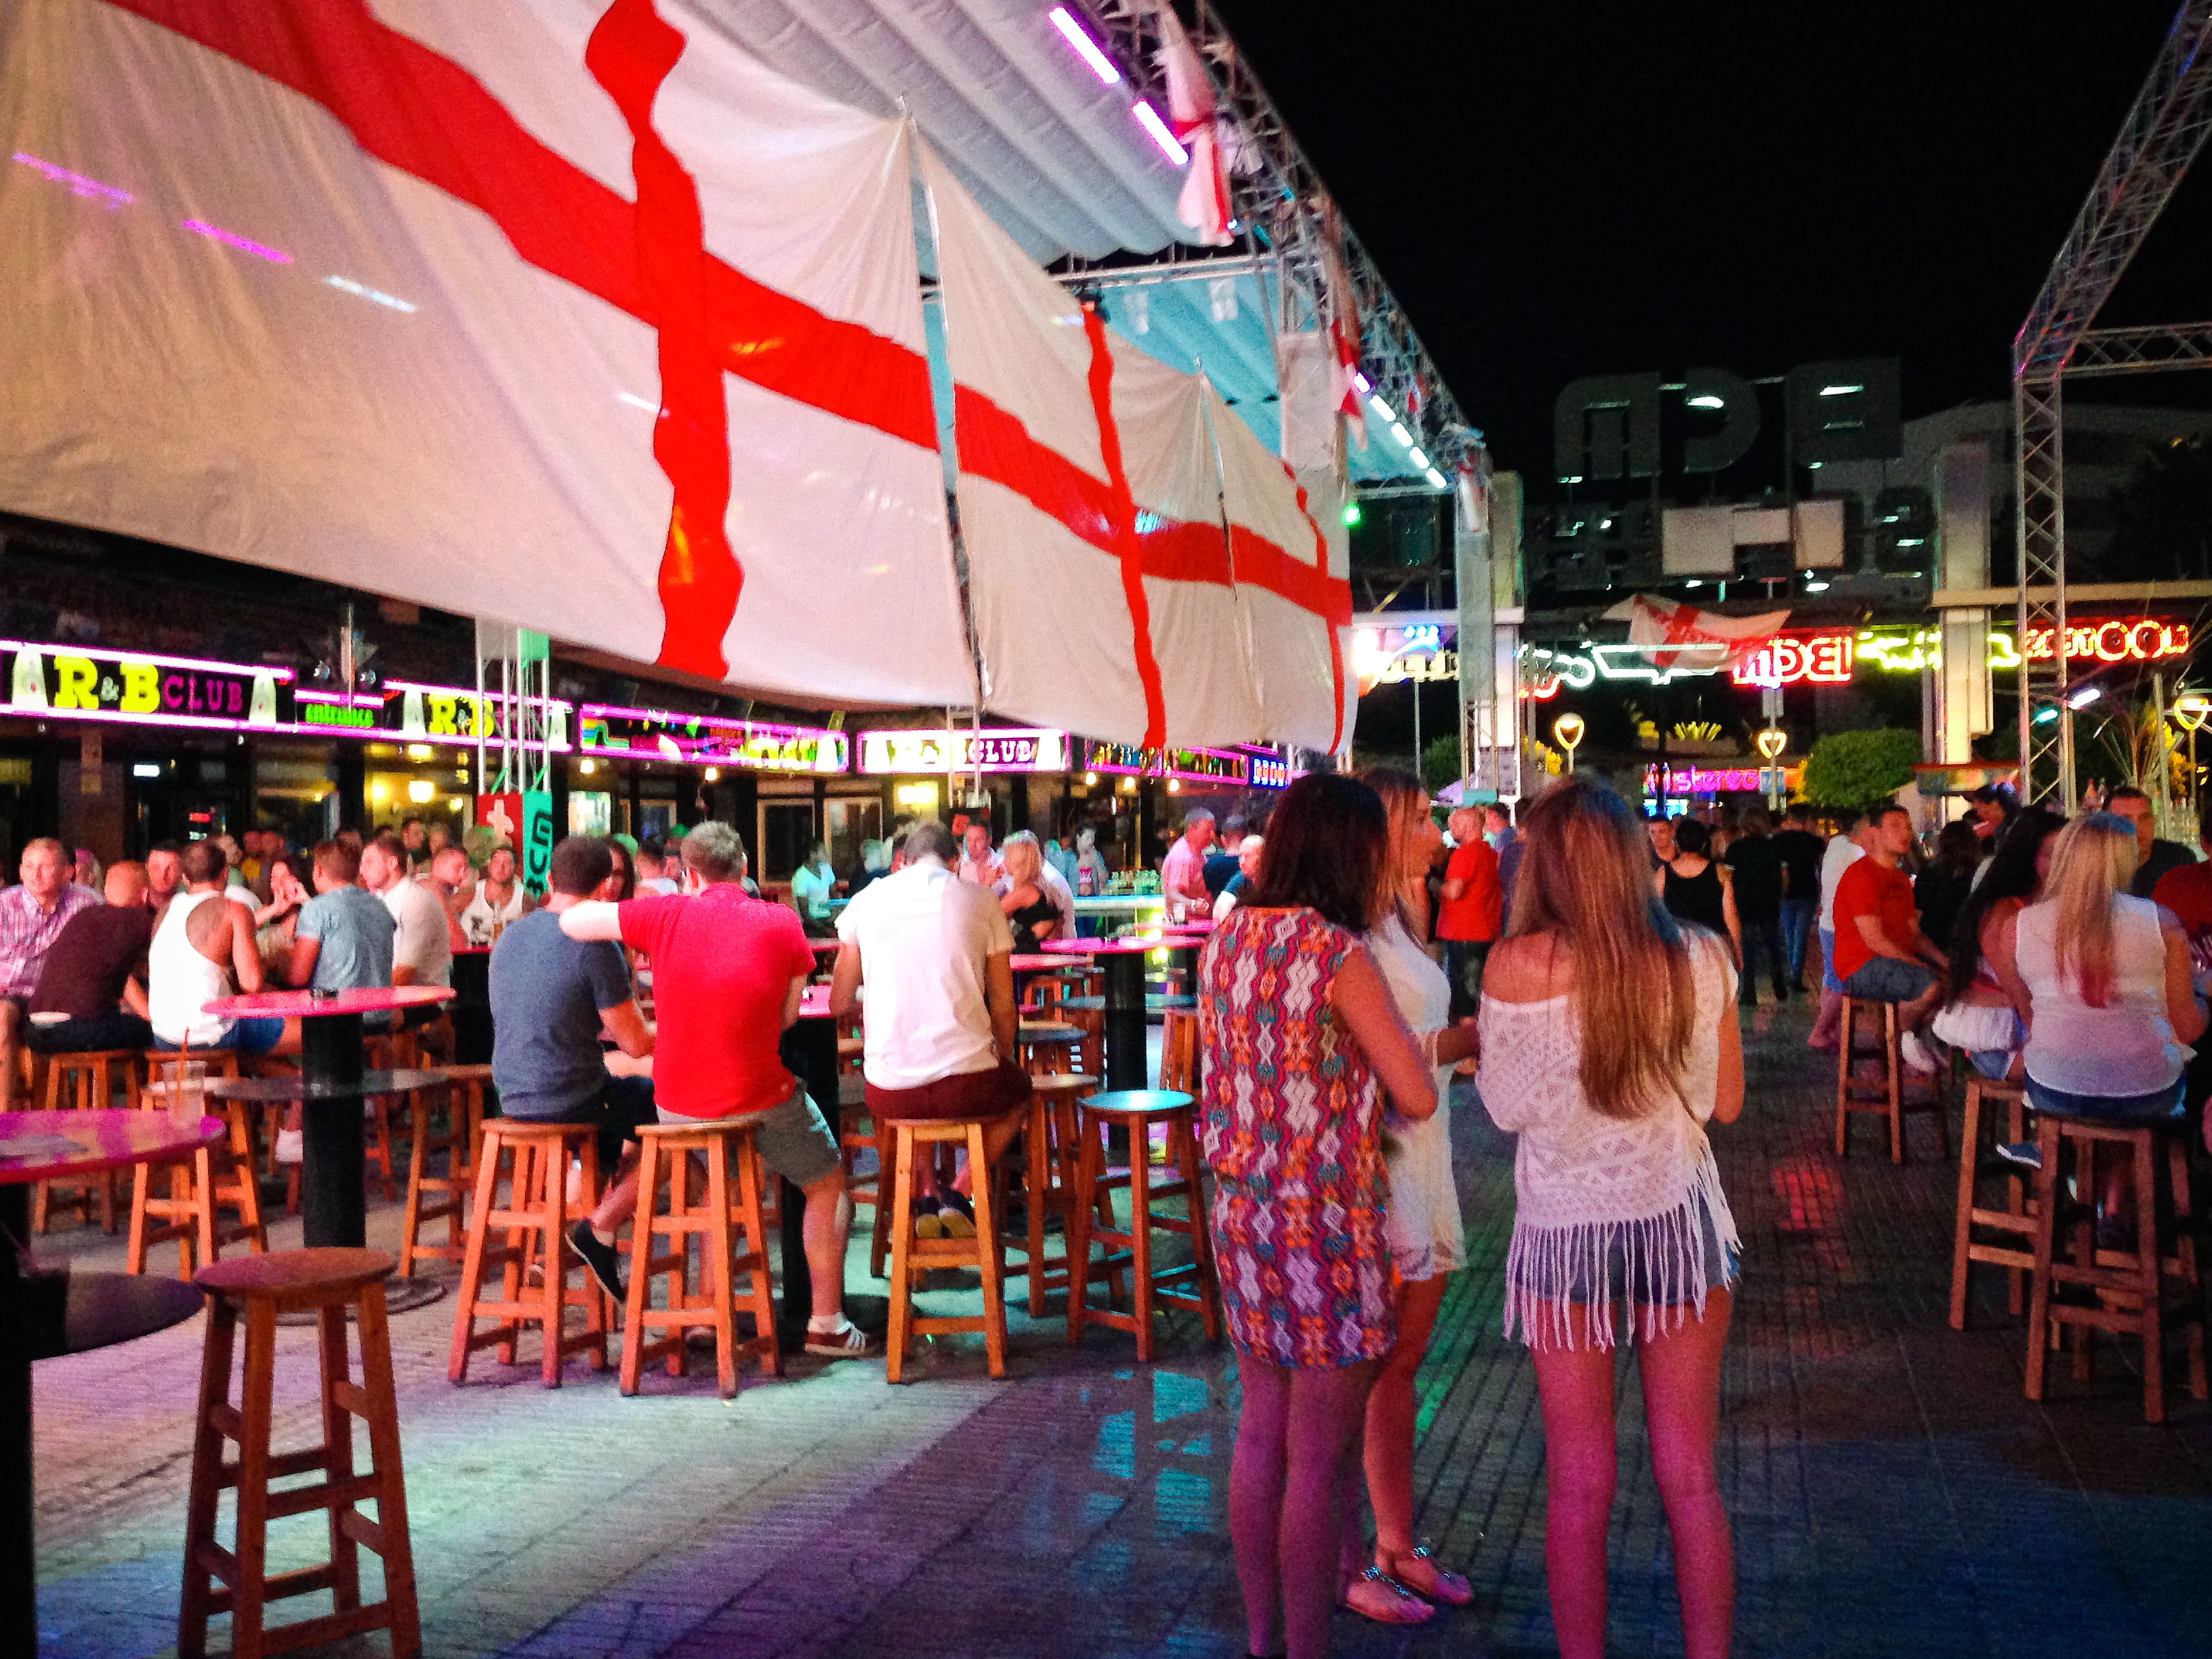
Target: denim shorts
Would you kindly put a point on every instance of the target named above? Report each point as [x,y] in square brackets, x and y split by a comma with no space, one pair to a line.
[2169,1102]
[245,1036]
[1885,979]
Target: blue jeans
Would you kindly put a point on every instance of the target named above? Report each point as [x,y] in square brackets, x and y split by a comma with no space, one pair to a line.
[1828,961]
[1798,916]
[2159,1103]
[1762,947]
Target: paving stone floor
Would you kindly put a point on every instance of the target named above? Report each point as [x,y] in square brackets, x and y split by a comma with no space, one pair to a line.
[1892,1491]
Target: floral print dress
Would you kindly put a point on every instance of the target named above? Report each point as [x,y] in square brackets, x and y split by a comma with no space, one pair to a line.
[1291,1128]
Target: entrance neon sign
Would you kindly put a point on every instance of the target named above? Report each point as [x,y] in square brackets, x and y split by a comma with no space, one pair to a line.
[1831,658]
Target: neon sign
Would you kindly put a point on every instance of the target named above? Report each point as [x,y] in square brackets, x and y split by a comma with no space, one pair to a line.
[1003,750]
[1195,765]
[1268,773]
[1719,780]
[1788,660]
[708,740]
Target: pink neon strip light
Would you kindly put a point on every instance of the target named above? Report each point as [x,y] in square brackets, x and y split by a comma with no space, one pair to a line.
[1149,119]
[51,649]
[113,195]
[243,244]
[1085,47]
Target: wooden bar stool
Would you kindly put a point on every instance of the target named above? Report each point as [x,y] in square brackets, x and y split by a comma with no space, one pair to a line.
[2132,1293]
[1977,1164]
[1889,1095]
[1088,1015]
[396,1117]
[215,1180]
[1048,1178]
[236,1581]
[87,1081]
[533,1159]
[460,1142]
[1193,1284]
[1047,1046]
[720,1221]
[912,1256]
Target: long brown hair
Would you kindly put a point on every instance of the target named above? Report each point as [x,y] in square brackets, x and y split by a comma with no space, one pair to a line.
[1404,882]
[1586,881]
[1327,841]
[2092,862]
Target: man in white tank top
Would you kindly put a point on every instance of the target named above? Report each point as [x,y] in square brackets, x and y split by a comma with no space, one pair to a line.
[202,949]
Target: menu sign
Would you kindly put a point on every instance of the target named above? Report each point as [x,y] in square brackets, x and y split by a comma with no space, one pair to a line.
[1192,765]
[1268,772]
[708,740]
[992,749]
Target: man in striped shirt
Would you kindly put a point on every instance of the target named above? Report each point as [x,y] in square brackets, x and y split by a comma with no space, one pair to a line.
[32,917]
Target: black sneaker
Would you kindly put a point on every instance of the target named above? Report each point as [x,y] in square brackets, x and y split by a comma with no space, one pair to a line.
[604,1260]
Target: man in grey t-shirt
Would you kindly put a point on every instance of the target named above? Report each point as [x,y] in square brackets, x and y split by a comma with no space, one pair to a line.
[344,940]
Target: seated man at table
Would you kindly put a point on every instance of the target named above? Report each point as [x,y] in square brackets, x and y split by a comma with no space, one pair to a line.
[94,976]
[552,996]
[934,955]
[203,949]
[32,917]
[345,937]
[728,970]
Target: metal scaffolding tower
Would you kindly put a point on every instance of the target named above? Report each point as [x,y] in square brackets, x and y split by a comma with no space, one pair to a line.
[2165,129]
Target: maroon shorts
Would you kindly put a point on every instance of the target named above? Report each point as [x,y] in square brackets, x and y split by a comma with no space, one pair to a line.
[1005,1088]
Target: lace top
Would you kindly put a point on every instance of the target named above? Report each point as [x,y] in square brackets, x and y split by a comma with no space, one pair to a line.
[1586,1184]
[2126,1047]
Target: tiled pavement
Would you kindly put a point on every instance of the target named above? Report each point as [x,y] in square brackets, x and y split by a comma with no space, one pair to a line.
[1892,1491]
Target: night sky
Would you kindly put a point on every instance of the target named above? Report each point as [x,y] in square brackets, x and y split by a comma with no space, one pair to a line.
[1566,189]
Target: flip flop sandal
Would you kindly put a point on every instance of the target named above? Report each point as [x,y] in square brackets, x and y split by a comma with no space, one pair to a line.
[1389,1603]
[1444,1585]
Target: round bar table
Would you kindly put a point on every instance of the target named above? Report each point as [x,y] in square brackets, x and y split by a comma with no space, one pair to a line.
[1124,962]
[43,1316]
[332,1208]
[810,1050]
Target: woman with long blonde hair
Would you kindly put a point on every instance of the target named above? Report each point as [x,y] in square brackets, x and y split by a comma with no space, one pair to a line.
[2105,979]
[1609,1040]
[1422,1224]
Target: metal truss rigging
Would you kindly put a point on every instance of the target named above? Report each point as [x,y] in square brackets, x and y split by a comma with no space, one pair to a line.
[1284,205]
[2165,129]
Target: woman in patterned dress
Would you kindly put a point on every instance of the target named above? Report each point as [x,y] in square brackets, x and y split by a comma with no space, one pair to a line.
[1301,1039]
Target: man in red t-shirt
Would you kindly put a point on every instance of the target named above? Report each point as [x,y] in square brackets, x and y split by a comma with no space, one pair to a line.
[727,973]
[1881,955]
[1473,906]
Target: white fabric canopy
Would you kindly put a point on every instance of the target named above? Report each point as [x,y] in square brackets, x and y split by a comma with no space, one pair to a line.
[373,293]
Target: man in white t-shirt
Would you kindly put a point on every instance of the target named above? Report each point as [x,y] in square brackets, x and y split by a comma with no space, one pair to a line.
[421,947]
[1844,849]
[934,953]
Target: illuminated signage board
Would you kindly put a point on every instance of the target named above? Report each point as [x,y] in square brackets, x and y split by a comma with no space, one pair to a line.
[1269,771]
[992,749]
[708,740]
[1192,765]
[1391,655]
[1719,780]
[423,713]
[1830,658]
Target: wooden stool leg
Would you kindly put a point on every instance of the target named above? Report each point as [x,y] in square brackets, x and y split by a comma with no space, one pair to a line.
[1969,1152]
[2184,1251]
[879,1242]
[142,1191]
[1080,1207]
[198,1602]
[719,1273]
[1895,1060]
[553,1220]
[457,1364]
[640,1263]
[1843,1084]
[247,1612]
[2039,1292]
[902,1240]
[338,1454]
[1140,1237]
[1202,1241]
[410,1221]
[990,1263]
[395,1545]
[1040,1192]
[2147,1261]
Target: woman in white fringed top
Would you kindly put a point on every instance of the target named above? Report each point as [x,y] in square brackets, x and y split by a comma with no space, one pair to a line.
[1609,1040]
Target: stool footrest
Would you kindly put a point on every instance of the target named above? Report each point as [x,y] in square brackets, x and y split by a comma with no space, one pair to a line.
[328,1494]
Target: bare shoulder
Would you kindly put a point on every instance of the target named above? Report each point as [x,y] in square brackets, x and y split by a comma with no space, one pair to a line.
[1527,968]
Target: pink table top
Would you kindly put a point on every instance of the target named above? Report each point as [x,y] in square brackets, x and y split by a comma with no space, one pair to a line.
[822,944]
[814,1002]
[1031,962]
[281,1005]
[96,1140]
[1104,947]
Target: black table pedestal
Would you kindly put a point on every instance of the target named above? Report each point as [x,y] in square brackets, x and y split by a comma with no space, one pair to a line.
[333,1210]
[1126,1064]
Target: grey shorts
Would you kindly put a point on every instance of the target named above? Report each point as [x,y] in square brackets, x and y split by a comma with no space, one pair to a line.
[795,1138]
